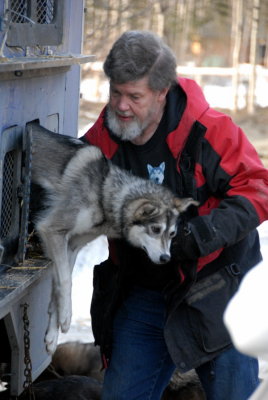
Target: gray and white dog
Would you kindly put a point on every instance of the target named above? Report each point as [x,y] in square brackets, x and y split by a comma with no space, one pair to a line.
[87,196]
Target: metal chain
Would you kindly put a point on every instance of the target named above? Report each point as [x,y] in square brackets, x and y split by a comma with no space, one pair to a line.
[27,385]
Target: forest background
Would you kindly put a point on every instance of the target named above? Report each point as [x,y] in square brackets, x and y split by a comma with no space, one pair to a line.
[222,44]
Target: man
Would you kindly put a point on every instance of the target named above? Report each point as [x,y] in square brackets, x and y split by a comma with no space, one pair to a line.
[150,319]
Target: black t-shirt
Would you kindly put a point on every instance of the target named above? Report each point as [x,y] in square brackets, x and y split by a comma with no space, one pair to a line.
[152,160]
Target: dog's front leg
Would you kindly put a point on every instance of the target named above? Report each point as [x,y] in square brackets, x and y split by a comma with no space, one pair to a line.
[52,333]
[56,249]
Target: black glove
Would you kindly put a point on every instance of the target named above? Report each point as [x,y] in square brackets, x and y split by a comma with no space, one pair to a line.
[183,245]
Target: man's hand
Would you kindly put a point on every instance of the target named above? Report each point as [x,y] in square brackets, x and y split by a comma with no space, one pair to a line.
[184,246]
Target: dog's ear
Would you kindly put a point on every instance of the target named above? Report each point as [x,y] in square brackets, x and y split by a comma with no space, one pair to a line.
[145,209]
[182,204]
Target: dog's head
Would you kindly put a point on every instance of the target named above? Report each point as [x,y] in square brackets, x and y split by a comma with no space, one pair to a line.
[153,225]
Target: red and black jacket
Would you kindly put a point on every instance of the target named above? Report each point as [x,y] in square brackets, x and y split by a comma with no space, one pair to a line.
[219,167]
[230,181]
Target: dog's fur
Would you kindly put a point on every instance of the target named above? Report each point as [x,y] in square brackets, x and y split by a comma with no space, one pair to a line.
[76,373]
[76,358]
[87,196]
[65,388]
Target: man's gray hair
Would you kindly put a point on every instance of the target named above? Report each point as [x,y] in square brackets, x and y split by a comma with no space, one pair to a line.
[137,54]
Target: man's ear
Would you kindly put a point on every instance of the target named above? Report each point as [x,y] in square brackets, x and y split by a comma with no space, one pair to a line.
[162,94]
[182,204]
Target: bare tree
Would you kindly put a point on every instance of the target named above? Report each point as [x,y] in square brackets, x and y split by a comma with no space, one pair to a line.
[253,55]
[227,32]
[236,39]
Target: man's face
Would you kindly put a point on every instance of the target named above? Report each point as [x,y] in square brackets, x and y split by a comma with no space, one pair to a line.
[134,109]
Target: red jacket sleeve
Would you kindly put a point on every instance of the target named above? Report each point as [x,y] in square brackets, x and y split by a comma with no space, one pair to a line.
[237,183]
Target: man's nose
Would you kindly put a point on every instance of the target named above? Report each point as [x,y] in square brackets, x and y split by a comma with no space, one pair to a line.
[122,104]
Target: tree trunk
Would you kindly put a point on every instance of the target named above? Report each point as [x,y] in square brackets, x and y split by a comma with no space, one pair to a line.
[253,56]
[236,40]
[186,27]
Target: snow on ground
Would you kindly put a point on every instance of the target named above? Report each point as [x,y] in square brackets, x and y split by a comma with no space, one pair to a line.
[92,254]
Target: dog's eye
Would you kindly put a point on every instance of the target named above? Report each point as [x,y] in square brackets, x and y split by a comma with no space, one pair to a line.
[172,234]
[156,229]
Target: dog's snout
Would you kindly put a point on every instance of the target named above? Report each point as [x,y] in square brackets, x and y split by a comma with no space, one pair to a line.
[164,258]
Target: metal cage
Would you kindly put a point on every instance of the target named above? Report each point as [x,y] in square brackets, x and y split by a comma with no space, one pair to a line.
[39,11]
[14,193]
[35,22]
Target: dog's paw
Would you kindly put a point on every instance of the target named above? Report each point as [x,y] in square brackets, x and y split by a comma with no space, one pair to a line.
[65,313]
[65,322]
[52,333]
[51,339]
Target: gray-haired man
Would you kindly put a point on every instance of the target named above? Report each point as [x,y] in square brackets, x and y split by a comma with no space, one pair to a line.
[148,318]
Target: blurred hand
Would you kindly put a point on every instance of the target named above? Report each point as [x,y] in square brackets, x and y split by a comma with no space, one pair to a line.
[183,245]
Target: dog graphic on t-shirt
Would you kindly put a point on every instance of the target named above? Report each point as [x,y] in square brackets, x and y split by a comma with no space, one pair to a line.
[156,174]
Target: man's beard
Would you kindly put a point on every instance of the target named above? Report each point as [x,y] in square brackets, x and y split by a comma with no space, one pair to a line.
[124,130]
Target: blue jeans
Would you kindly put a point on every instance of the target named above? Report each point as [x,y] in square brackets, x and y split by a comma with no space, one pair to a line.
[141,367]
